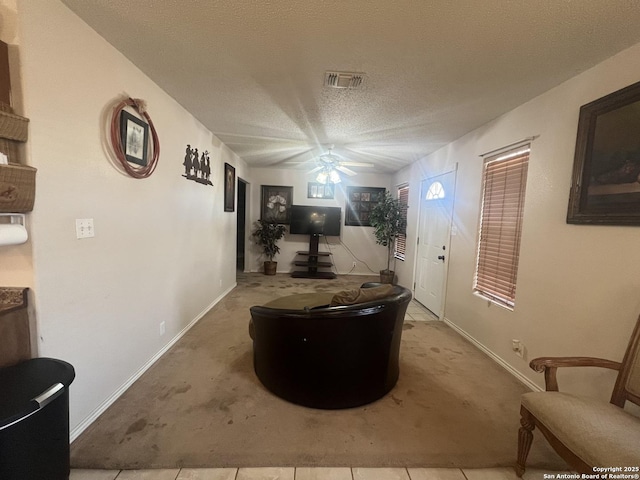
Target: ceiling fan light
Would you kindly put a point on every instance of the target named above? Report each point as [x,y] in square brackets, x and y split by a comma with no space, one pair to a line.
[322,177]
[334,177]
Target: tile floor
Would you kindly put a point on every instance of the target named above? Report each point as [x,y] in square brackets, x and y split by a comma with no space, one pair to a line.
[307,473]
[415,312]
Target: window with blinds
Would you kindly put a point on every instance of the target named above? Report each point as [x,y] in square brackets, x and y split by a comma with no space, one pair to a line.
[504,183]
[401,240]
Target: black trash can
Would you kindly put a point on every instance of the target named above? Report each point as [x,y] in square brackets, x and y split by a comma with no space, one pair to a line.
[34,420]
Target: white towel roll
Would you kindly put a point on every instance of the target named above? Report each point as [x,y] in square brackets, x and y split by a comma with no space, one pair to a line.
[12,234]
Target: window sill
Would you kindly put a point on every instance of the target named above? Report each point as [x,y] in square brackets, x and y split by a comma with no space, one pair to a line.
[492,301]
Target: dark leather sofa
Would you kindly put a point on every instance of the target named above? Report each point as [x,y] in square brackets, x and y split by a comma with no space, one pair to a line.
[330,357]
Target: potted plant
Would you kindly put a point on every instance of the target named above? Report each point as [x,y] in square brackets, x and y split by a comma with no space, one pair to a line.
[266,235]
[389,220]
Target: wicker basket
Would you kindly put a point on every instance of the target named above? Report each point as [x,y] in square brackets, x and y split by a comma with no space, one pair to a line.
[13,127]
[11,149]
[17,188]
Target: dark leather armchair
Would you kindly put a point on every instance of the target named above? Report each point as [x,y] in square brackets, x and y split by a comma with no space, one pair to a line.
[330,357]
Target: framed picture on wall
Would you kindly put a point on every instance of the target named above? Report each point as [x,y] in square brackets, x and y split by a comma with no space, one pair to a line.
[134,137]
[229,187]
[360,202]
[605,187]
[320,190]
[276,204]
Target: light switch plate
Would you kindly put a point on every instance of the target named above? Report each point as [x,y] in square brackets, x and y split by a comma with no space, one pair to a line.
[84,228]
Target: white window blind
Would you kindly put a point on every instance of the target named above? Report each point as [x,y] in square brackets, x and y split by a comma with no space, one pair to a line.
[401,240]
[505,179]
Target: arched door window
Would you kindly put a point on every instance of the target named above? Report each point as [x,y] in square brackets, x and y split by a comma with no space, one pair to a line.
[435,191]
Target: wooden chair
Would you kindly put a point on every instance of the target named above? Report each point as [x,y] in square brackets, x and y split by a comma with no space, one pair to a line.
[585,432]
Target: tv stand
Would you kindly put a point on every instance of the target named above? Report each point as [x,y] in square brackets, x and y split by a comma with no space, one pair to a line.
[313,262]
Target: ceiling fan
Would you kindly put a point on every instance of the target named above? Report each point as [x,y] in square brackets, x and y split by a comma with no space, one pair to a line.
[329,164]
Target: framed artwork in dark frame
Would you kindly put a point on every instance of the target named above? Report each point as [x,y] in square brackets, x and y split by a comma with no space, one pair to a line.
[360,202]
[320,190]
[275,206]
[229,187]
[605,187]
[134,137]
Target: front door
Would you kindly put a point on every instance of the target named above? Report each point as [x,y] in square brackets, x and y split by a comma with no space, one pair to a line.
[436,210]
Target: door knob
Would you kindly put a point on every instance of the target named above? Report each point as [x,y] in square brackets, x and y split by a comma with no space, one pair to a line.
[441,257]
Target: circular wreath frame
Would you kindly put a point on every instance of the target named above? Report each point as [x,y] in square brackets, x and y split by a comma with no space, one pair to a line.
[116,140]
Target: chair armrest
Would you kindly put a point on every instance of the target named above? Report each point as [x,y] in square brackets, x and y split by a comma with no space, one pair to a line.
[549,365]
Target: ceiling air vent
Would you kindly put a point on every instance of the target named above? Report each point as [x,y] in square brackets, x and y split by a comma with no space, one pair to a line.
[344,80]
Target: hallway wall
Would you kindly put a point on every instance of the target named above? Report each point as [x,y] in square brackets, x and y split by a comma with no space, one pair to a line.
[164,249]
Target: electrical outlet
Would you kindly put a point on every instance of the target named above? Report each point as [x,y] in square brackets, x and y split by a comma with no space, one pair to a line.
[84,228]
[354,265]
[162,328]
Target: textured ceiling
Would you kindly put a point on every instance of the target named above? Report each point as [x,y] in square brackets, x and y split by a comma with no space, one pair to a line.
[252,71]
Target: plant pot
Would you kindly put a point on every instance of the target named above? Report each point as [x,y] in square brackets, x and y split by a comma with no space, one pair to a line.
[387,276]
[270,268]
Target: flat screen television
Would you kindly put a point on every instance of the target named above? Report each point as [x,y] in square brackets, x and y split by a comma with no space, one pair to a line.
[315,220]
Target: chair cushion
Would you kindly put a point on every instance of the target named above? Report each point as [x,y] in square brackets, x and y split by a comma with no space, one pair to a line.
[598,432]
[301,301]
[361,295]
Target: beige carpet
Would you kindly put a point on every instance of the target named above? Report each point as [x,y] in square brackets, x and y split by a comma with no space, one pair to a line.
[201,404]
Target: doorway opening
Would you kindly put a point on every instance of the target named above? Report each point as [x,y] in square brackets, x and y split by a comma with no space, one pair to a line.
[241,224]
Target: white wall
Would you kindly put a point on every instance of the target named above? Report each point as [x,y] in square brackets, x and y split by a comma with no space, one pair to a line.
[164,249]
[577,290]
[355,244]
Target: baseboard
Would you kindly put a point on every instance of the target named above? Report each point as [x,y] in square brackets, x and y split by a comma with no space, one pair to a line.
[495,357]
[75,433]
[288,272]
